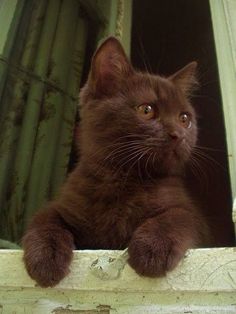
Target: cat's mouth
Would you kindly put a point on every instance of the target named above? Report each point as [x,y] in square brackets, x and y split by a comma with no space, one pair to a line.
[177,152]
[170,152]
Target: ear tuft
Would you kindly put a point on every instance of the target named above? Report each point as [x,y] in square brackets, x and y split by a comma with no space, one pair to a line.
[110,66]
[186,78]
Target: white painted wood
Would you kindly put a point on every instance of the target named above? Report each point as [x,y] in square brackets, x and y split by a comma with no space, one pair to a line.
[102,282]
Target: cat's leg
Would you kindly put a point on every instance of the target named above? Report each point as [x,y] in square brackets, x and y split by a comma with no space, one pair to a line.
[160,242]
[48,246]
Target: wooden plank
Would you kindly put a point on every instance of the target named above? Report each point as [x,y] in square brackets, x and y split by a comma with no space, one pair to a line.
[102,282]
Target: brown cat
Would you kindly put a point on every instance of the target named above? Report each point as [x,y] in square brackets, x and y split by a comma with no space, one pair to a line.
[136,135]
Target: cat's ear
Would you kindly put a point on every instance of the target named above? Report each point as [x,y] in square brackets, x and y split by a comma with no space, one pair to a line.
[110,67]
[186,78]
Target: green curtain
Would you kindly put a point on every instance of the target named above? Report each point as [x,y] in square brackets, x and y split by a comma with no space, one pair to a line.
[47,48]
[38,108]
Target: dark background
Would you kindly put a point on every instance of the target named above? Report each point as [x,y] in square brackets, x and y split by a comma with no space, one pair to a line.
[166,35]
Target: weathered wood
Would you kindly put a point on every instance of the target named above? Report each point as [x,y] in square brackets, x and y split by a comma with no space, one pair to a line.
[102,282]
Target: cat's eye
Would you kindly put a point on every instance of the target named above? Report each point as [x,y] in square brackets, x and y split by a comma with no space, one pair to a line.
[185,120]
[146,111]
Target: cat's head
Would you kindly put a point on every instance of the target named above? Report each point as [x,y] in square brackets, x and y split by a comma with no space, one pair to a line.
[133,121]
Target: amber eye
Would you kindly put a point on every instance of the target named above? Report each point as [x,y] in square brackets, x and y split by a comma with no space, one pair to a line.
[185,120]
[146,111]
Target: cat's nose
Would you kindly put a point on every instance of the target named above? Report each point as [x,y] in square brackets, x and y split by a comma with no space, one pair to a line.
[175,136]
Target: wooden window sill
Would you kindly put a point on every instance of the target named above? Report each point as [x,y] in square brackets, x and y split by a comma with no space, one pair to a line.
[102,282]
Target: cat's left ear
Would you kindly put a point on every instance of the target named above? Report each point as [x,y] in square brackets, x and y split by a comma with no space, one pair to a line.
[186,78]
[110,67]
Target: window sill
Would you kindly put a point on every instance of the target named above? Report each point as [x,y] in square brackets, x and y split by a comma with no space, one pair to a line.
[102,282]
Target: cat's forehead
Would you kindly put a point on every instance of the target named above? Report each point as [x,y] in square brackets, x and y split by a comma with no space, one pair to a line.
[150,88]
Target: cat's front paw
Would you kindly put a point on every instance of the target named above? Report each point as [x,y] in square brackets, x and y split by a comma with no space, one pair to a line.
[153,257]
[47,269]
[47,262]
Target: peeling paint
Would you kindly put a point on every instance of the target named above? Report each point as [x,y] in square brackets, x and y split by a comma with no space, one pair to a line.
[61,310]
[101,309]
[108,268]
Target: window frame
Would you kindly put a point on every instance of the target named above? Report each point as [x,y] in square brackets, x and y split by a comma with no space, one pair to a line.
[224,27]
[102,282]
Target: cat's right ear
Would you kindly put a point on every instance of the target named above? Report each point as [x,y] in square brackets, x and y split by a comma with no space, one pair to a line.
[186,78]
[109,68]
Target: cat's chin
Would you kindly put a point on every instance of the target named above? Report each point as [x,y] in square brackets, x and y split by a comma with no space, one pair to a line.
[173,164]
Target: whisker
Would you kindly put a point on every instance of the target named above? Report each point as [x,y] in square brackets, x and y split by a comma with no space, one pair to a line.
[153,161]
[146,165]
[210,149]
[138,153]
[138,160]
[139,138]
[128,157]
[132,152]
[207,158]
[122,149]
[139,170]
[199,173]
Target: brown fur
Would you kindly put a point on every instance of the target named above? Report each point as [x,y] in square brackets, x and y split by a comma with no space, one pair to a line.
[121,195]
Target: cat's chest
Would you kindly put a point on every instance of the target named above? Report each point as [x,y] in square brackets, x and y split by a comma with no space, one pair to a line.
[113,214]
[114,222]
